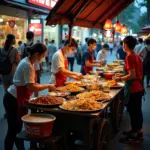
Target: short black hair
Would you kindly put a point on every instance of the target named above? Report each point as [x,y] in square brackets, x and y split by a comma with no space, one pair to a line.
[121,42]
[147,41]
[29,35]
[91,41]
[72,43]
[86,39]
[130,41]
[140,40]
[19,42]
[106,46]
[53,41]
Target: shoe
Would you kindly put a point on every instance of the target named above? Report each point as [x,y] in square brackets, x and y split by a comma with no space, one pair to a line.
[128,133]
[129,140]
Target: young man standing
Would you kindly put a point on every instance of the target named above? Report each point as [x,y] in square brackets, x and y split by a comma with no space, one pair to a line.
[88,58]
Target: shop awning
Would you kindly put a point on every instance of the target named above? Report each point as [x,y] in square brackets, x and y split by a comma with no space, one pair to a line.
[86,13]
[146,28]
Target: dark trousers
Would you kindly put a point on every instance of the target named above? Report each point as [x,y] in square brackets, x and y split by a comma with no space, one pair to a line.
[10,104]
[135,110]
[147,78]
[71,62]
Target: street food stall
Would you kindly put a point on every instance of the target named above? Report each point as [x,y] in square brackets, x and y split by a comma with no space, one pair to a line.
[83,108]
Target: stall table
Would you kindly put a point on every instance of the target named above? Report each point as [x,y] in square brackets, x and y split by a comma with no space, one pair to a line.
[81,122]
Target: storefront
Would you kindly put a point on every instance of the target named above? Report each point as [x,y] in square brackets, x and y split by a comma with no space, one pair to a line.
[12,25]
[14,22]
[27,15]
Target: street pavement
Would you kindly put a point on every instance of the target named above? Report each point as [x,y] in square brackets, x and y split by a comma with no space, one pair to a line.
[113,144]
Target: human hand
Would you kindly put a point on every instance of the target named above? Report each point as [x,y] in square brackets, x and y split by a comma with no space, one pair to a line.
[118,75]
[117,79]
[51,87]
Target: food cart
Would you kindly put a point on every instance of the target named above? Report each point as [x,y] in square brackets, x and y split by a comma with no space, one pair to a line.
[89,129]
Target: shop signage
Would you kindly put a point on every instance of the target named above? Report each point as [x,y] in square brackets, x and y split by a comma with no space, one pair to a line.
[43,3]
[11,23]
[36,28]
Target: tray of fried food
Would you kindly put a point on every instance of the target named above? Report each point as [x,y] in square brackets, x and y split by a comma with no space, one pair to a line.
[77,83]
[46,101]
[113,84]
[82,105]
[112,65]
[95,94]
[71,88]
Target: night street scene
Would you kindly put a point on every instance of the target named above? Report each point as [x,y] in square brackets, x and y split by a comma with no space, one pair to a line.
[74,74]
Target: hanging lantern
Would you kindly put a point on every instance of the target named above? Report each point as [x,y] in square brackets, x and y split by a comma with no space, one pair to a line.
[108,25]
[124,29]
[117,26]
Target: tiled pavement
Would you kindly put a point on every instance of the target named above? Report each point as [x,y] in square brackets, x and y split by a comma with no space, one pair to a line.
[113,144]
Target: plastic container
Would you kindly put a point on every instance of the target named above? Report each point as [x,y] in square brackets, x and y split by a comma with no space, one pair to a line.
[108,76]
[38,125]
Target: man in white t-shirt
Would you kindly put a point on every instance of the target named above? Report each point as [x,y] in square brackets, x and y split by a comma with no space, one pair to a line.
[103,54]
[138,48]
[47,44]
[59,68]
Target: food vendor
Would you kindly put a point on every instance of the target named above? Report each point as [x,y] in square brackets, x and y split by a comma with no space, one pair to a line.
[133,90]
[59,67]
[18,94]
[88,58]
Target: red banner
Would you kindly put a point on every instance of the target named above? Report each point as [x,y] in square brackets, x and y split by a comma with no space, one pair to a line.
[49,4]
[36,28]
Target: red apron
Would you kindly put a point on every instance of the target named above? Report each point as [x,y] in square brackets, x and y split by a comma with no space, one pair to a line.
[23,96]
[87,70]
[60,78]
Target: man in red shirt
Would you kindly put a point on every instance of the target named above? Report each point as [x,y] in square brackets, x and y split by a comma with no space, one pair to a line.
[133,90]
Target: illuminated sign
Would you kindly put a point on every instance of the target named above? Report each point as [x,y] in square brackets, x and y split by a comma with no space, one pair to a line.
[43,3]
[36,28]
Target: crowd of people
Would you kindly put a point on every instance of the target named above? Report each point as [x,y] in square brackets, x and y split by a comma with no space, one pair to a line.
[23,78]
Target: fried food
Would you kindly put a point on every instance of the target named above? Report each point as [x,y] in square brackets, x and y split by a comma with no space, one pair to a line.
[111,83]
[77,83]
[47,100]
[82,105]
[95,94]
[89,77]
[70,88]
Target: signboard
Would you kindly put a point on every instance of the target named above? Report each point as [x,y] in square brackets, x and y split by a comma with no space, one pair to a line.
[49,4]
[36,28]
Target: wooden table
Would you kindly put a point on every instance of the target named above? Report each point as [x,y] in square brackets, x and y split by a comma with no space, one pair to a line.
[79,122]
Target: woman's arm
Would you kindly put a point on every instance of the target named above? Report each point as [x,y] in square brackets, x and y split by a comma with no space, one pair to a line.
[38,87]
[89,64]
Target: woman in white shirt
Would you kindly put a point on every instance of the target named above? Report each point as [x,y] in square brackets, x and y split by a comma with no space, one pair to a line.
[102,54]
[18,94]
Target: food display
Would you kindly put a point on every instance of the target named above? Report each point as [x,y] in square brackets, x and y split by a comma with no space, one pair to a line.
[70,88]
[113,65]
[113,84]
[118,69]
[119,61]
[89,77]
[59,93]
[46,100]
[95,94]
[83,105]
[77,83]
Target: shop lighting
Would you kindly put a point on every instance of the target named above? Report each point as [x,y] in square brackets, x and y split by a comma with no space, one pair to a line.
[124,29]
[118,26]
[1,19]
[108,25]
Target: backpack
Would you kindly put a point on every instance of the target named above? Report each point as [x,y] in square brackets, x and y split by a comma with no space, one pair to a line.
[25,53]
[5,63]
[146,61]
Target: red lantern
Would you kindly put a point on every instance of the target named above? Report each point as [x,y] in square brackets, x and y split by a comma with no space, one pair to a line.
[117,26]
[11,23]
[124,29]
[108,25]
